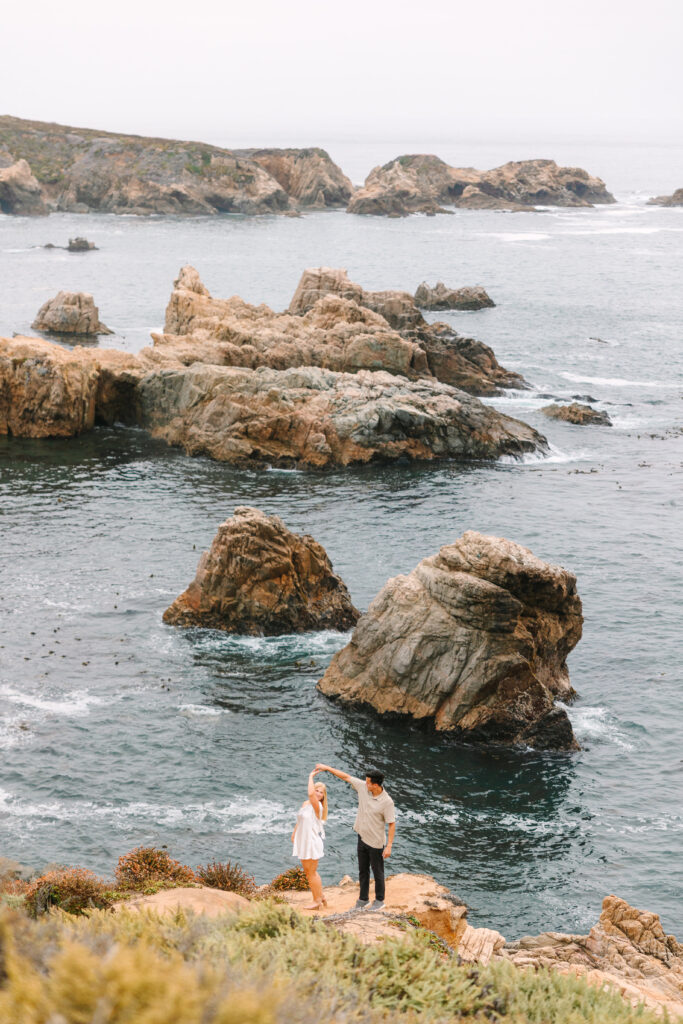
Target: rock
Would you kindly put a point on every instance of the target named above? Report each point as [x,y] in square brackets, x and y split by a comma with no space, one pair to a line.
[196,900]
[317,418]
[627,950]
[308,176]
[675,199]
[419,183]
[417,896]
[307,416]
[13,869]
[479,945]
[451,357]
[441,297]
[20,192]
[80,245]
[577,413]
[45,390]
[82,170]
[70,313]
[473,640]
[260,579]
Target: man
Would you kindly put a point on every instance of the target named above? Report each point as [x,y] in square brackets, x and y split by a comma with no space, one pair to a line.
[375,810]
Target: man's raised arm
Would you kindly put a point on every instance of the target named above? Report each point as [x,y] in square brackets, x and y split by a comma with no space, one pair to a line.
[344,776]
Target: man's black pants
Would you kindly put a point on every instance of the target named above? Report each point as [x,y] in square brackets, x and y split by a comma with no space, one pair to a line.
[370,857]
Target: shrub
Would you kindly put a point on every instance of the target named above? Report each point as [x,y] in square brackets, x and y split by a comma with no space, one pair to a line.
[229,877]
[146,864]
[71,889]
[294,878]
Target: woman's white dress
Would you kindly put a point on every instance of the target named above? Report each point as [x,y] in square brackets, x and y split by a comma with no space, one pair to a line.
[309,835]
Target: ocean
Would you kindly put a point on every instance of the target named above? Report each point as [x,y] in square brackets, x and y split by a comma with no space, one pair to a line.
[117,731]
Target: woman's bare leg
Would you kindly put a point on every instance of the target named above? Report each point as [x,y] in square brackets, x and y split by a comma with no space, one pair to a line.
[314,881]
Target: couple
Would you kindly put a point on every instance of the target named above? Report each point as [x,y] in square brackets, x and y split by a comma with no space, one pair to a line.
[375,810]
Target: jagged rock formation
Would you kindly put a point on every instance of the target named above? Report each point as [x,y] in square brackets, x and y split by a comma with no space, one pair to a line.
[440,297]
[627,950]
[308,176]
[451,357]
[675,199]
[423,183]
[45,391]
[82,170]
[577,413]
[474,640]
[70,313]
[20,193]
[308,415]
[259,578]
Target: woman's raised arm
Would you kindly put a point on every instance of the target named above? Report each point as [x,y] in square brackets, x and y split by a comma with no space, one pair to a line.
[312,795]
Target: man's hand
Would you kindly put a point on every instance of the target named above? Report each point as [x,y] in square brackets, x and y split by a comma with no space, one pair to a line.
[387,852]
[322,768]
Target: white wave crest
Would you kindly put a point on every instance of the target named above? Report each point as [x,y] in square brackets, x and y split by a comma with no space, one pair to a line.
[617,382]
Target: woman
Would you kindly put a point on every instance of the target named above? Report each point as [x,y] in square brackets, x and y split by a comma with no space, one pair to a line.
[308,836]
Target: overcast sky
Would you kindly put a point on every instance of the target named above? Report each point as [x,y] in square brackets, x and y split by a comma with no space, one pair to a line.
[297,71]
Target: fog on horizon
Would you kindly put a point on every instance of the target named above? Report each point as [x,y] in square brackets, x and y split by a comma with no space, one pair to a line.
[297,74]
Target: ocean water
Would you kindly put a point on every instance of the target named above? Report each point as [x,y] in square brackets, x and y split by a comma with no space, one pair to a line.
[116,730]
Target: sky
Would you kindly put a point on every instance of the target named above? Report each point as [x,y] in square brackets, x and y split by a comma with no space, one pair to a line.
[296,71]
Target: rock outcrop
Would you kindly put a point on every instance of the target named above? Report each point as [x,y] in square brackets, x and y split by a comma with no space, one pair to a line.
[20,192]
[627,950]
[451,357]
[419,897]
[45,390]
[473,640]
[197,899]
[82,170]
[440,297]
[70,313]
[318,418]
[80,245]
[577,413]
[675,199]
[307,416]
[424,184]
[308,176]
[259,578]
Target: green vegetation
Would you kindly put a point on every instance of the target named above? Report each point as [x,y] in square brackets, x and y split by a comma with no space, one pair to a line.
[268,965]
[228,877]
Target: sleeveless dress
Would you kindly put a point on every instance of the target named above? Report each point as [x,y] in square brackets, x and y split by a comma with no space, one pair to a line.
[308,840]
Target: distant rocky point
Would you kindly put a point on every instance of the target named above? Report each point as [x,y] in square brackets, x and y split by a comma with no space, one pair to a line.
[474,640]
[260,579]
[55,167]
[70,313]
[675,199]
[425,184]
[440,297]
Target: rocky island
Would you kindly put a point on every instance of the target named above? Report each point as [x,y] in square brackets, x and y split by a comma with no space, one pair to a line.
[425,184]
[46,167]
[260,579]
[473,640]
[675,199]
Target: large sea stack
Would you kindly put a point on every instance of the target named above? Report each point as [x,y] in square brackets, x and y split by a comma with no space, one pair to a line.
[259,578]
[473,640]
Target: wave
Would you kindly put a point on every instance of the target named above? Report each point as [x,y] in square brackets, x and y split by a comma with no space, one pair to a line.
[597,724]
[291,644]
[73,703]
[200,709]
[238,816]
[554,454]
[617,382]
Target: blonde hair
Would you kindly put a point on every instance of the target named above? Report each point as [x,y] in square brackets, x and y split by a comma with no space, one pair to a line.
[324,799]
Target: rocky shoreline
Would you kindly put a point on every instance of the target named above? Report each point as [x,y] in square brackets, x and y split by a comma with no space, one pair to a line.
[46,167]
[626,952]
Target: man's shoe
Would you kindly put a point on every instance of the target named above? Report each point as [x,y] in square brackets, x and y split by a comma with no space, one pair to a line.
[361,904]
[377,905]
